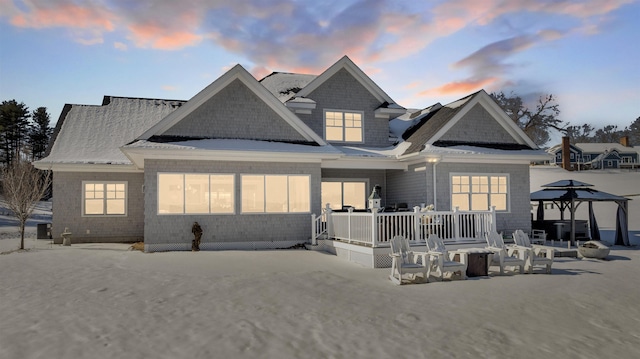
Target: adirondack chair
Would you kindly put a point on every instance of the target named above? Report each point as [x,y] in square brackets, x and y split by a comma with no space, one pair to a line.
[538,236]
[500,255]
[405,261]
[442,260]
[536,255]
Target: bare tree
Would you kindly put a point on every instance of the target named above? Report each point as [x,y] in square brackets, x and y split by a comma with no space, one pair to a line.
[580,134]
[23,186]
[536,123]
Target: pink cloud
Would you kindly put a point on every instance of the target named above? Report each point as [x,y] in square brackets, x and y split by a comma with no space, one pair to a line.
[460,87]
[157,37]
[65,15]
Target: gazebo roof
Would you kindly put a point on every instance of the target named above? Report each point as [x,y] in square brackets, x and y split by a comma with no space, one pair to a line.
[568,184]
[578,194]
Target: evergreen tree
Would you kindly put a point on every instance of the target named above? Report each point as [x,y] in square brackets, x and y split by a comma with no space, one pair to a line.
[14,121]
[39,133]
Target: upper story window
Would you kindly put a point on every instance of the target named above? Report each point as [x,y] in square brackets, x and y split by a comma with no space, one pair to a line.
[104,198]
[343,126]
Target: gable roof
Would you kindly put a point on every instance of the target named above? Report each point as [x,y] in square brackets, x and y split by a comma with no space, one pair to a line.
[92,134]
[358,74]
[434,124]
[236,73]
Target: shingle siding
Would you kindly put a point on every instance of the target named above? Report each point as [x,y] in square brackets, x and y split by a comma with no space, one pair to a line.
[409,186]
[238,227]
[67,209]
[519,215]
[344,92]
[235,112]
[478,125]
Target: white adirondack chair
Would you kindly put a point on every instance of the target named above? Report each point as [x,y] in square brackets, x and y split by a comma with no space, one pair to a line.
[538,236]
[405,261]
[500,255]
[536,255]
[442,260]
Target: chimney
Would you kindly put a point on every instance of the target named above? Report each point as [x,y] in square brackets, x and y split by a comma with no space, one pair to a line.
[566,153]
[624,140]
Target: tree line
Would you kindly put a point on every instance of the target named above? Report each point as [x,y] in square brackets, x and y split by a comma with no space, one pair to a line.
[23,134]
[538,122]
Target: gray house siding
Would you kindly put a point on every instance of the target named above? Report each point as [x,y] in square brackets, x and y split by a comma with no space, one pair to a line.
[519,214]
[478,125]
[409,186]
[344,92]
[67,209]
[173,232]
[235,112]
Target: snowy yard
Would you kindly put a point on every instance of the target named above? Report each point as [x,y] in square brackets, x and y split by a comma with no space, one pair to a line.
[104,301]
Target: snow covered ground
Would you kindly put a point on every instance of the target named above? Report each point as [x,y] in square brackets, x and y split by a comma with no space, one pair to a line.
[105,301]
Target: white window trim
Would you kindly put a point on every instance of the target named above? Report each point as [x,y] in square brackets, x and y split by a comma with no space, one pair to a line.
[342,181]
[264,212]
[184,197]
[126,200]
[324,125]
[489,174]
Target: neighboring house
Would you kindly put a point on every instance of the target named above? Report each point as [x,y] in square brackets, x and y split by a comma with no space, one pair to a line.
[575,155]
[599,155]
[251,160]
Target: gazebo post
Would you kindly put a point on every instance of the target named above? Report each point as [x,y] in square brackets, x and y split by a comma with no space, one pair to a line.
[572,238]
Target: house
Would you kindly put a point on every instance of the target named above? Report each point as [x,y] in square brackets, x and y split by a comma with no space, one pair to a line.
[600,155]
[251,161]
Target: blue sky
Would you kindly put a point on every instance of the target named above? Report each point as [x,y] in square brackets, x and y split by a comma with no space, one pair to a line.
[584,52]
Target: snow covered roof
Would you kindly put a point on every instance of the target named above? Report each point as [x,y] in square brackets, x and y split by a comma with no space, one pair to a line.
[285,85]
[94,134]
[604,147]
[470,151]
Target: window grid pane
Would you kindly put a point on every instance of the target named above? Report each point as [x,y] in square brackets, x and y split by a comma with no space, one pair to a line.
[479,192]
[104,198]
[343,126]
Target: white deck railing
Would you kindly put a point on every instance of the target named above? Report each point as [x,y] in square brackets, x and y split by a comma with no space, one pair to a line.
[376,229]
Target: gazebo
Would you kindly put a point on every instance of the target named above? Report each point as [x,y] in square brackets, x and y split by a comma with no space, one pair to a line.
[569,194]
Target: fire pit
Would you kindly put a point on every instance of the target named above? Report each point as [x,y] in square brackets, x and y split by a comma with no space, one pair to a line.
[594,249]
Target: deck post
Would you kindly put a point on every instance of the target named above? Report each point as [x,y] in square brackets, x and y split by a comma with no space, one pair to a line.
[456,224]
[494,227]
[374,228]
[416,224]
[314,239]
[350,211]
[329,219]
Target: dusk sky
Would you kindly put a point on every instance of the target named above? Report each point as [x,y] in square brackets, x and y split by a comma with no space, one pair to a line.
[584,52]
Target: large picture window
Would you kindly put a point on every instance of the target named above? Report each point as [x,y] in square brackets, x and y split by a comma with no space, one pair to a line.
[340,193]
[276,194]
[104,198]
[197,193]
[480,192]
[343,126]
